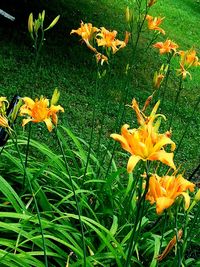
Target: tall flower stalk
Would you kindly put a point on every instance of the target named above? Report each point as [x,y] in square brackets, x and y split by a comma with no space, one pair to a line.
[75,197]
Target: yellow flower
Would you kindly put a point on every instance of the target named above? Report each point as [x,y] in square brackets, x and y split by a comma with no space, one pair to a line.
[145,143]
[86,31]
[39,111]
[153,23]
[164,190]
[166,47]
[107,39]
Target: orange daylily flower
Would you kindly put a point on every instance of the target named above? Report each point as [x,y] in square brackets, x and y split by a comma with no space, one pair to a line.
[154,22]
[166,47]
[40,111]
[86,31]
[188,59]
[107,39]
[145,143]
[164,190]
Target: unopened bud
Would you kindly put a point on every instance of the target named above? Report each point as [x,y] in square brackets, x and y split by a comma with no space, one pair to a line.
[30,23]
[53,23]
[197,196]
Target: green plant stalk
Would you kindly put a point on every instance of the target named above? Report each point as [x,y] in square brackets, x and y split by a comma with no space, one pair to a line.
[75,197]
[117,126]
[163,231]
[187,126]
[139,27]
[176,101]
[34,198]
[93,121]
[134,187]
[37,53]
[166,79]
[138,220]
[179,259]
[193,222]
[185,236]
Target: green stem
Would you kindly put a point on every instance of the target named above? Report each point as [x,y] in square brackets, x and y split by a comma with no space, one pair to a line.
[179,261]
[187,126]
[34,198]
[164,89]
[75,197]
[93,121]
[27,153]
[176,101]
[162,235]
[139,27]
[138,220]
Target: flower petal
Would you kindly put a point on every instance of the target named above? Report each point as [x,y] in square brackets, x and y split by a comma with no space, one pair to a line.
[163,203]
[124,143]
[164,157]
[133,160]
[48,124]
[186,199]
[25,121]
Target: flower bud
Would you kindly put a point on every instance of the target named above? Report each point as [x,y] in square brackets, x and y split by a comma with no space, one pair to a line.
[53,23]
[197,196]
[30,23]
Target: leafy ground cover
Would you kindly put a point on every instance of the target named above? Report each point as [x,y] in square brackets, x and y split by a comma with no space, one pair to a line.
[41,222]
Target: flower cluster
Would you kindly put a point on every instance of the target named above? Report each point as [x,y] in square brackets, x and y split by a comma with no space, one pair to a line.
[166,47]
[147,144]
[154,22]
[188,59]
[95,37]
[164,190]
[41,110]
[35,25]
